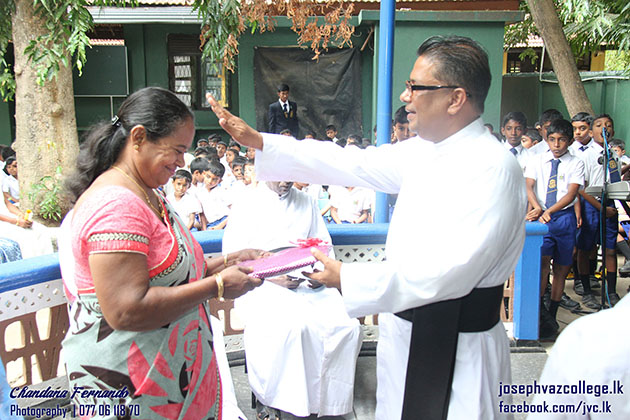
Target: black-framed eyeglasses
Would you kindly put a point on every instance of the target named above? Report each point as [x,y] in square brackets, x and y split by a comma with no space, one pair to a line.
[411,87]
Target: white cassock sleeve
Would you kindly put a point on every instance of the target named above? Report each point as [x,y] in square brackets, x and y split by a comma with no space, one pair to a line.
[452,230]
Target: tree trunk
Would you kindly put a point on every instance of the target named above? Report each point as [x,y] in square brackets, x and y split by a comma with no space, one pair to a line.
[550,28]
[45,122]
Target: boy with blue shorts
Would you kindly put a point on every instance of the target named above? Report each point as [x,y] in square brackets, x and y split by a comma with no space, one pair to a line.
[594,176]
[553,179]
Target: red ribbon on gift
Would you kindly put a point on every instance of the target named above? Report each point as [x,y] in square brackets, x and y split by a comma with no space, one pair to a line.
[310,242]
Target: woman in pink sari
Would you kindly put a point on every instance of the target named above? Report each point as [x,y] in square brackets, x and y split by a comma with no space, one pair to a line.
[139,328]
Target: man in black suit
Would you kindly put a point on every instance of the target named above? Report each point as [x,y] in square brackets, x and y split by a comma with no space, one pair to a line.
[283,113]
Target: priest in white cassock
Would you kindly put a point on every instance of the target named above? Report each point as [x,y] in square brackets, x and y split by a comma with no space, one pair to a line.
[300,344]
[455,237]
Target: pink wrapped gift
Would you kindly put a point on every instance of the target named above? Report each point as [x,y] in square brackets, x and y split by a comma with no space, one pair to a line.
[287,259]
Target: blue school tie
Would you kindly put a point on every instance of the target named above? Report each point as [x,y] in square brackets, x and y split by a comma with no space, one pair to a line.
[552,185]
[583,148]
[613,169]
[514,151]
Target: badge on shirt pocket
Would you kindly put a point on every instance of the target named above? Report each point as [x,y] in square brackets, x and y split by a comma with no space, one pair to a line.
[561,178]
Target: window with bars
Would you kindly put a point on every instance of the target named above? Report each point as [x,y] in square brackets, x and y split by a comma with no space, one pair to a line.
[189,77]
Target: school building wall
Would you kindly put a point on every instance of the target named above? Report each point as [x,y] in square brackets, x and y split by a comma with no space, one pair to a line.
[607,91]
[147,62]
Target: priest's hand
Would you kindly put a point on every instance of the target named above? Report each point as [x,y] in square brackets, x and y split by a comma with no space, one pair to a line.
[236,127]
[331,276]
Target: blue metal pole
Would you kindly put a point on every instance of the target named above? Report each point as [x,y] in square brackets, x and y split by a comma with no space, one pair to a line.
[384,91]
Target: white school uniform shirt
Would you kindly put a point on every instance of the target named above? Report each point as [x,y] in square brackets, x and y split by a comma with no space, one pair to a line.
[522,154]
[593,169]
[570,171]
[598,338]
[214,202]
[350,204]
[185,206]
[301,344]
[578,149]
[489,205]
[11,185]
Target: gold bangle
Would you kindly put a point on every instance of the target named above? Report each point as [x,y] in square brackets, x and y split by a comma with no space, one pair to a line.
[219,281]
[225,260]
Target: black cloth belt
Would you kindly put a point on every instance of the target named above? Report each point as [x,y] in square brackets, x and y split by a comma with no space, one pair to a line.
[434,344]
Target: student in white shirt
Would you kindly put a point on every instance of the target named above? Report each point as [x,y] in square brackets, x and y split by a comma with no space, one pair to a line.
[185,204]
[10,184]
[553,180]
[545,119]
[594,176]
[213,197]
[513,127]
[582,140]
[350,205]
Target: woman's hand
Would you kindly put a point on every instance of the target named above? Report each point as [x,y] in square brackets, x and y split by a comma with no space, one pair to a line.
[21,222]
[216,264]
[236,281]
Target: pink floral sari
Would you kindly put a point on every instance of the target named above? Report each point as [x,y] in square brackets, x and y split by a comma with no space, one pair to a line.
[170,372]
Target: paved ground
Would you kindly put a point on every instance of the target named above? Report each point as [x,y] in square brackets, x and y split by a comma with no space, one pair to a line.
[525,368]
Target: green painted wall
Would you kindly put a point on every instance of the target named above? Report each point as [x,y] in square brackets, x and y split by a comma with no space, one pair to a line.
[607,92]
[412,28]
[283,36]
[7,127]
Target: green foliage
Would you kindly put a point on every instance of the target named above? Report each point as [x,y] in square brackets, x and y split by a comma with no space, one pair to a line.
[589,25]
[66,24]
[221,25]
[7,82]
[517,32]
[617,61]
[48,191]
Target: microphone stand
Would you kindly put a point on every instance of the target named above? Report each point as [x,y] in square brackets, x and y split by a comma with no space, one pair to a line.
[602,218]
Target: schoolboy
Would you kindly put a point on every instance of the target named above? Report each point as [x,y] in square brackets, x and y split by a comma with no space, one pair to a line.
[235,146]
[619,147]
[213,198]
[237,167]
[530,138]
[589,234]
[581,123]
[197,167]
[203,142]
[401,125]
[354,140]
[513,127]
[546,118]
[249,173]
[553,180]
[185,204]
[221,147]
[331,133]
[350,205]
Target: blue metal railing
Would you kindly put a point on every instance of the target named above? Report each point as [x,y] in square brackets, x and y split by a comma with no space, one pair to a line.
[18,274]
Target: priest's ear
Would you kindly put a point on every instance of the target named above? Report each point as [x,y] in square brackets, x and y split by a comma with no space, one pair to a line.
[458,99]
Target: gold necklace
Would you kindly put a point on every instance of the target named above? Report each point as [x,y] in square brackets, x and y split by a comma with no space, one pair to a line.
[160,212]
